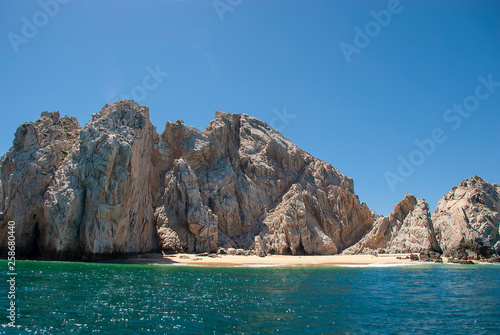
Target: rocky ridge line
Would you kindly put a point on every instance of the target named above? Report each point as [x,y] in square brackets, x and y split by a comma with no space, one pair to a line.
[116,187]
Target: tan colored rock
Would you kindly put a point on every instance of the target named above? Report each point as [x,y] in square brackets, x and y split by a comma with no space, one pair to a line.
[121,188]
[26,170]
[100,201]
[169,240]
[408,229]
[243,179]
[116,187]
[183,211]
[467,219]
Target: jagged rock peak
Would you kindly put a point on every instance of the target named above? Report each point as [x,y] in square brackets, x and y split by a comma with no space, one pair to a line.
[241,177]
[122,110]
[49,127]
[408,229]
[467,219]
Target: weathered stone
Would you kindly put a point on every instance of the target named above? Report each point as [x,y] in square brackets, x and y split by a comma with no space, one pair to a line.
[414,257]
[424,257]
[240,252]
[258,247]
[169,240]
[221,251]
[87,191]
[117,187]
[434,254]
[184,211]
[100,200]
[466,220]
[494,259]
[408,229]
[240,178]
[121,188]
[464,261]
[26,171]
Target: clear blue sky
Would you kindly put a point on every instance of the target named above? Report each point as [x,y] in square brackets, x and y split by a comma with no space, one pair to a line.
[261,56]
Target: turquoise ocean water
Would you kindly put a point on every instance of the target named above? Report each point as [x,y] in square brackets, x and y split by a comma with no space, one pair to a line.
[90,298]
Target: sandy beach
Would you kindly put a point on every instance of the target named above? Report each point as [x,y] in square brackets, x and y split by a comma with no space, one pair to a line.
[271,260]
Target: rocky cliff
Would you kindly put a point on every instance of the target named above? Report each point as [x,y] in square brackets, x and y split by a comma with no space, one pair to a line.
[241,184]
[100,200]
[465,225]
[77,192]
[408,229]
[117,187]
[466,219]
[26,171]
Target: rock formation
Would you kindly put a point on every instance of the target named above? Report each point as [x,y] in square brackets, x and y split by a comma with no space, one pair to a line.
[408,229]
[88,191]
[117,187]
[26,171]
[100,201]
[467,219]
[241,184]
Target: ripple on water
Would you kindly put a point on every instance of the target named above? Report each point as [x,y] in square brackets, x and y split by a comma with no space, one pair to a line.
[58,297]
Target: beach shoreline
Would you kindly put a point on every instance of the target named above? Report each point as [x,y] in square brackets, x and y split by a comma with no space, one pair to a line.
[270,260]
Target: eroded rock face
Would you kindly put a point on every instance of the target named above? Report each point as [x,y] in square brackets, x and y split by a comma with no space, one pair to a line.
[100,201]
[117,187]
[26,171]
[241,184]
[467,219]
[76,191]
[408,229]
[185,213]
